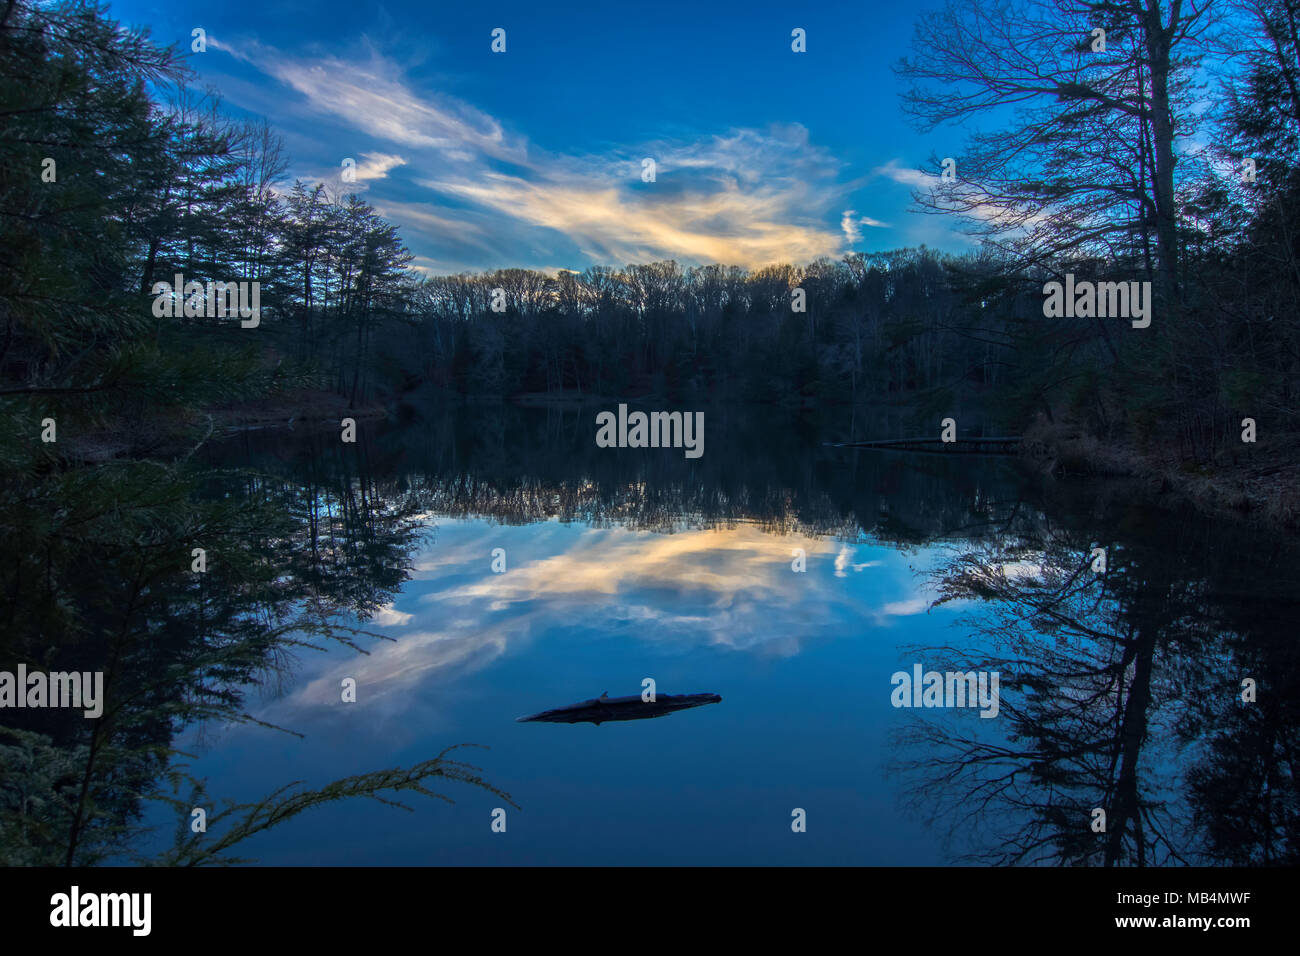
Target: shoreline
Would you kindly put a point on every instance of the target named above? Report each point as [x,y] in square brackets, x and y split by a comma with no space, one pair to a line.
[1260,485]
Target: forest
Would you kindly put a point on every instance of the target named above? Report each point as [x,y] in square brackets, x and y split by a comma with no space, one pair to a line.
[1145,162]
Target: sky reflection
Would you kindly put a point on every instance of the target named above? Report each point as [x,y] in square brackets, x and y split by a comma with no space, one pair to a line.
[802,661]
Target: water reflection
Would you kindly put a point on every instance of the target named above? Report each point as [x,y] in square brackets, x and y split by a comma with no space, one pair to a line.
[1121,691]
[793,577]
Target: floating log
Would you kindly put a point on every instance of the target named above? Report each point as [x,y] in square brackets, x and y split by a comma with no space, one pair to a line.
[605,708]
[1002,445]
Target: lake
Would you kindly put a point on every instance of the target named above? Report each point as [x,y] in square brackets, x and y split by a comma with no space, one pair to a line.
[795,580]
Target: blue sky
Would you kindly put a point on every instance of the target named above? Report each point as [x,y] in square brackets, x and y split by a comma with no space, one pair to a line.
[533,157]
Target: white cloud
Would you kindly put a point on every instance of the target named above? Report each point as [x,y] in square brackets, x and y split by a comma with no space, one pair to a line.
[373,97]
[745,197]
[377,165]
[722,224]
[906,608]
[851,221]
[844,562]
[974,201]
[387,616]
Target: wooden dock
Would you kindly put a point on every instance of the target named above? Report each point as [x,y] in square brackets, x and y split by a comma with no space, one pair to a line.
[962,446]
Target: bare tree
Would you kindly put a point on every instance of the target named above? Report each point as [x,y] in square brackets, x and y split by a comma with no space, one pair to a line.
[1084,161]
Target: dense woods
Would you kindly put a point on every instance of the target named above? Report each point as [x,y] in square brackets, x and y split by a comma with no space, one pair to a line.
[153,180]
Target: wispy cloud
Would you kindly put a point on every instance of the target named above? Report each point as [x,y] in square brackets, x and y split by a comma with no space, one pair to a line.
[388,616]
[844,562]
[975,202]
[745,197]
[611,222]
[918,605]
[850,222]
[377,165]
[372,96]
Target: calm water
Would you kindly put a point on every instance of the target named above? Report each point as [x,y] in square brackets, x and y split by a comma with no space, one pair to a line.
[1119,690]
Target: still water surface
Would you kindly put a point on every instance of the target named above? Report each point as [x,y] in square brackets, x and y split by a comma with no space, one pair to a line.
[1119,690]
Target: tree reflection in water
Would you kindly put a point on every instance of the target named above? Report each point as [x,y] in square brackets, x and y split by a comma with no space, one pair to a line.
[1121,690]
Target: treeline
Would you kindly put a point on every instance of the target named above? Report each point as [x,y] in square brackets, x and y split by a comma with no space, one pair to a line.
[117,176]
[114,176]
[910,325]
[1114,166]
[864,328]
